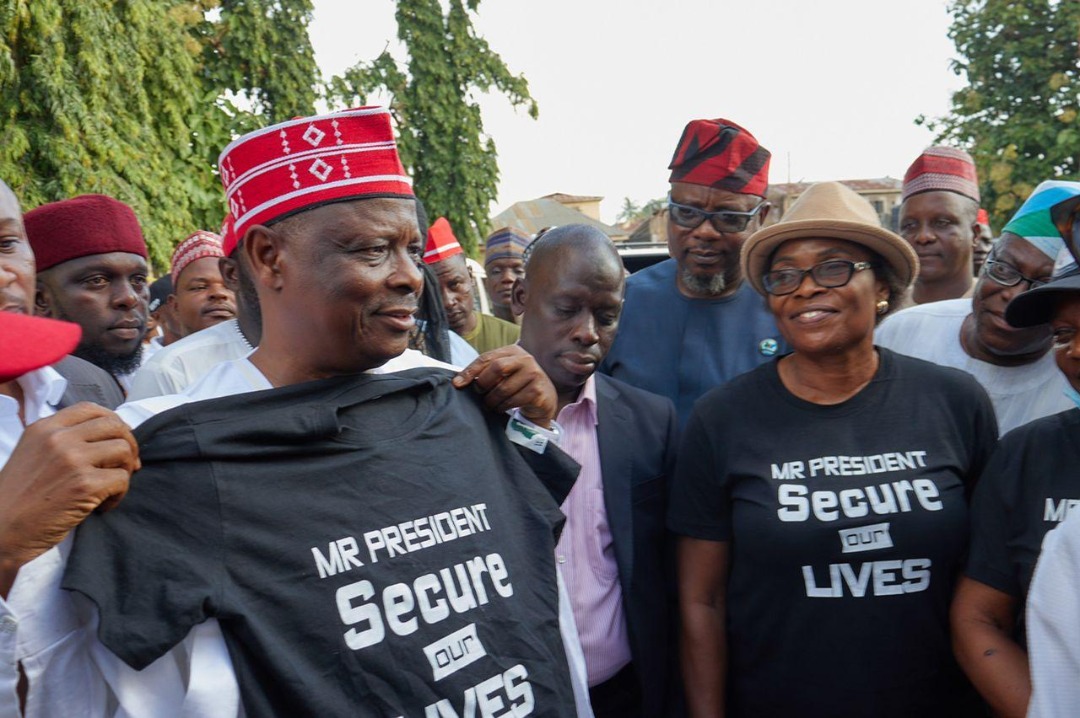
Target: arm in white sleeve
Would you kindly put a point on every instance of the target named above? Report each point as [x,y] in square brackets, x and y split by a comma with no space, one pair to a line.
[71,673]
[1053,625]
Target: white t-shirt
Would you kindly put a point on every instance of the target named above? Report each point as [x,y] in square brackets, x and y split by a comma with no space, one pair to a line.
[72,674]
[174,368]
[1053,624]
[1019,393]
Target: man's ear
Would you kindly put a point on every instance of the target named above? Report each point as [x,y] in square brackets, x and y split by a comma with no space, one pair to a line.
[264,249]
[43,304]
[518,294]
[227,267]
[764,213]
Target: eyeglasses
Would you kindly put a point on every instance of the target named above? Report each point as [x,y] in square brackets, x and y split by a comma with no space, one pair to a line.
[831,274]
[1007,275]
[724,221]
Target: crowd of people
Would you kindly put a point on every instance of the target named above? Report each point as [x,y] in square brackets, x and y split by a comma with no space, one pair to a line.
[806,466]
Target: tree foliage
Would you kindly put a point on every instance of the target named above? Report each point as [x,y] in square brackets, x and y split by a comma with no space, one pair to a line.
[135,99]
[441,138]
[1018,113]
[631,211]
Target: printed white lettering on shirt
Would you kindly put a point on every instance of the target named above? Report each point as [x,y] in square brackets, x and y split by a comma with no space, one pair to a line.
[1057,511]
[485,699]
[850,465]
[883,499]
[451,653]
[881,578]
[432,596]
[865,538]
[400,539]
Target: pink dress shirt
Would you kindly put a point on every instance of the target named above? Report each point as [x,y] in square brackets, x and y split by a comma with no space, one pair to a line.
[585,551]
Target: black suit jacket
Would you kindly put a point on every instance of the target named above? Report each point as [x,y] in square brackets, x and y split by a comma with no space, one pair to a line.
[637,435]
[86,382]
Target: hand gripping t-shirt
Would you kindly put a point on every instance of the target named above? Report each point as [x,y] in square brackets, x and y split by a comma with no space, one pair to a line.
[847,525]
[1029,486]
[371,546]
[679,347]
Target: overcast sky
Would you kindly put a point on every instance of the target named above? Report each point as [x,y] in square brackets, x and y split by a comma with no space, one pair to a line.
[831,87]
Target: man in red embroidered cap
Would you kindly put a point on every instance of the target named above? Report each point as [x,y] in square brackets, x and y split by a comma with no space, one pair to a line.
[326,222]
[690,323]
[447,259]
[91,270]
[939,219]
[200,297]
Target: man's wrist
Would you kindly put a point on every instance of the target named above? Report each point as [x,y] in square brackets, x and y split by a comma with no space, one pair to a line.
[527,433]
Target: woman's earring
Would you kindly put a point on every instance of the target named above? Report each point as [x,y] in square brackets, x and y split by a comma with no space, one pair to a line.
[882,306]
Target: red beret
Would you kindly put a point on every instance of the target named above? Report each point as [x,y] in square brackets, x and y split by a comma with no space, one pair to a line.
[278,171]
[441,242]
[28,343]
[718,153]
[82,226]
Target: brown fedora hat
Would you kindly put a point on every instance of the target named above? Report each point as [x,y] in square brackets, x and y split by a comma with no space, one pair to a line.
[828,210]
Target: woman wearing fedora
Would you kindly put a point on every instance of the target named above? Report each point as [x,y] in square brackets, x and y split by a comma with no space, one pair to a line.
[1030,485]
[821,499]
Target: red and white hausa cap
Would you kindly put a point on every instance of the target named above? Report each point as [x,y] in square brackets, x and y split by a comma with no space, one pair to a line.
[301,164]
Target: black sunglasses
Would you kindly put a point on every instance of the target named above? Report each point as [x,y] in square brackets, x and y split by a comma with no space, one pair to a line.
[829,274]
[1007,275]
[724,221]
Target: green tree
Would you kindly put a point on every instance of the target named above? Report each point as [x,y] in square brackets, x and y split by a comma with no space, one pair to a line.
[1018,112]
[134,99]
[631,211]
[441,138]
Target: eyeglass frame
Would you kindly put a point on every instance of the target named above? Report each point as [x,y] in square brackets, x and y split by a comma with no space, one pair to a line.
[991,259]
[853,267]
[707,215]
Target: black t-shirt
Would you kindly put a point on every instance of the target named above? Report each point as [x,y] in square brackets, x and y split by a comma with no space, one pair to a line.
[372,546]
[848,525]
[1029,486]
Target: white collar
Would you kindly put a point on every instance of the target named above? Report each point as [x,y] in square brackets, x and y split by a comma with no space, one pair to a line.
[40,387]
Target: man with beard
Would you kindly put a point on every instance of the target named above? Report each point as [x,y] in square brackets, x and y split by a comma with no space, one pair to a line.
[91,270]
[690,322]
[447,260]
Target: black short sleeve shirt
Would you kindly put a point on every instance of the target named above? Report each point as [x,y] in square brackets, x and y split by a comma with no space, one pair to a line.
[848,526]
[371,546]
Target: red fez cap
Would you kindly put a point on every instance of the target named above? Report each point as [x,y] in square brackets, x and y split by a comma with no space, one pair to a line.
[441,242]
[82,226]
[28,343]
[276,172]
[718,153]
[228,235]
[196,246]
[941,168]
[982,217]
